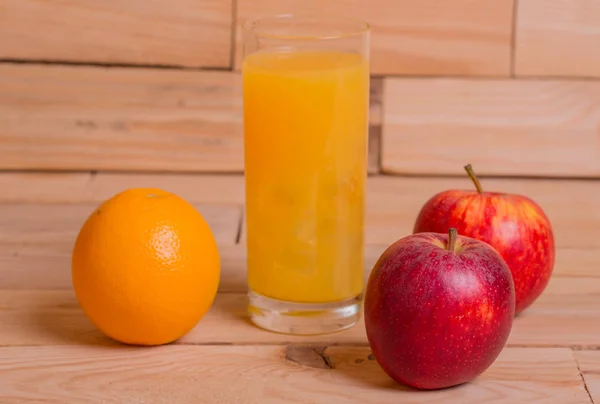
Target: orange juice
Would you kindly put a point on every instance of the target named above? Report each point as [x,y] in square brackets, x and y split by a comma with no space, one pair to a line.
[306,122]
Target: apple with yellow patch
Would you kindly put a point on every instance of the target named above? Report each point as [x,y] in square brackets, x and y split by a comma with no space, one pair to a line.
[516,226]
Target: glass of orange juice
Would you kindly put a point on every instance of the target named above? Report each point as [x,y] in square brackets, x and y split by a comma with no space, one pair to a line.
[306,102]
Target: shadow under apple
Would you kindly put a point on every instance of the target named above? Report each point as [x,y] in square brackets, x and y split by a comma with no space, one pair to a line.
[353,364]
[355,371]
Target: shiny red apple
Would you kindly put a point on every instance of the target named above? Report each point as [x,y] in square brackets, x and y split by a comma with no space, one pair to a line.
[438,309]
[513,224]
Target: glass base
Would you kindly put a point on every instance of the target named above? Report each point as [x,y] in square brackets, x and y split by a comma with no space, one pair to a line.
[303,318]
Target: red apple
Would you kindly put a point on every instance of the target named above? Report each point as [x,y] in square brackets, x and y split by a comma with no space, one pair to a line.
[438,309]
[513,224]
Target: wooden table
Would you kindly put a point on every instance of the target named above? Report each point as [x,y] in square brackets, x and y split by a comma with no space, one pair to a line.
[50,353]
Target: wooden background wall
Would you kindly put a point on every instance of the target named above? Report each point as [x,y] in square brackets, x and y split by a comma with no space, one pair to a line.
[511,86]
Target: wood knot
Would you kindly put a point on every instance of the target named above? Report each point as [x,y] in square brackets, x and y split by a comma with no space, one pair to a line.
[310,356]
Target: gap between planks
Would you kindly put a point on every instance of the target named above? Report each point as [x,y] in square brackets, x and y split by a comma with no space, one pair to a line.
[588,363]
[583,379]
[73,63]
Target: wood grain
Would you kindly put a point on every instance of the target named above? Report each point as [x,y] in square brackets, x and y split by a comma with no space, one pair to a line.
[558,38]
[143,120]
[27,229]
[503,127]
[45,187]
[88,118]
[566,315]
[429,37]
[261,374]
[184,33]
[589,365]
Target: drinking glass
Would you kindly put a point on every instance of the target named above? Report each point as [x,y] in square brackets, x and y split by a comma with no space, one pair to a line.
[306,103]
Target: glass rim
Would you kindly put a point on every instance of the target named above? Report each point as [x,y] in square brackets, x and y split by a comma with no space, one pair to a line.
[252,25]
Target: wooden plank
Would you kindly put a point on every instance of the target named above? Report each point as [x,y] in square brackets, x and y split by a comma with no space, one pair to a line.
[35,271]
[431,37]
[53,317]
[266,374]
[87,118]
[43,187]
[566,315]
[393,205]
[49,187]
[577,262]
[186,33]
[589,365]
[502,127]
[42,270]
[558,38]
[27,229]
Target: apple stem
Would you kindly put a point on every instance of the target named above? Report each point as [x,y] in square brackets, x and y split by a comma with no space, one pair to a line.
[474,178]
[452,234]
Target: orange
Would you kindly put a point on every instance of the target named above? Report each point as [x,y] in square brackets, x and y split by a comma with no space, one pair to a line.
[145,267]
